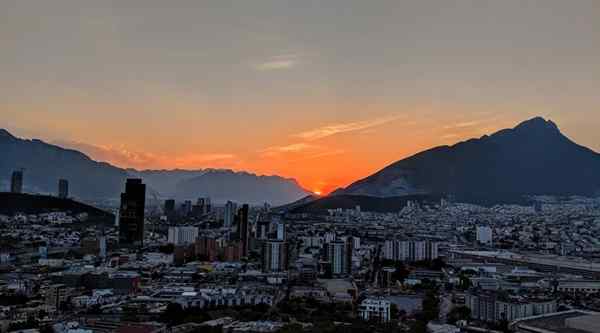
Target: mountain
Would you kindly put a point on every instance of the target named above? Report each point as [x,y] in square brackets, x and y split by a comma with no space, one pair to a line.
[44,164]
[223,185]
[296,204]
[534,158]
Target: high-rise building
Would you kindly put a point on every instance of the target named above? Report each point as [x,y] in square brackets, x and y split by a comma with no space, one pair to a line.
[182,235]
[169,209]
[229,216]
[63,188]
[243,229]
[56,296]
[262,229]
[484,235]
[274,256]
[186,208]
[207,247]
[232,252]
[131,213]
[102,243]
[410,250]
[16,182]
[337,256]
[281,231]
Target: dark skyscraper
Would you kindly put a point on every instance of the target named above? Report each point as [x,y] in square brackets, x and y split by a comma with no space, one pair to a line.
[16,182]
[243,230]
[131,215]
[63,188]
[169,207]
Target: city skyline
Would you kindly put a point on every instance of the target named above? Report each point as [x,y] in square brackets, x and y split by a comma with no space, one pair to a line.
[300,90]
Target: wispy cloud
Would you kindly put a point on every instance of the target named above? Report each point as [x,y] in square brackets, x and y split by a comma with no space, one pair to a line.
[280,62]
[329,130]
[462,124]
[291,148]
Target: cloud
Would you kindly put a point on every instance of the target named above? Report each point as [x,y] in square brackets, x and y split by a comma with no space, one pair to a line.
[462,125]
[329,130]
[291,148]
[280,62]
[124,157]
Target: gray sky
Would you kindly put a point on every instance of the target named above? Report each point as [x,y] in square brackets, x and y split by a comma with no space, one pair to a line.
[237,78]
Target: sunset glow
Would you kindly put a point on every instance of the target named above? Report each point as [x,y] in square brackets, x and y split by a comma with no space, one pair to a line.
[279,89]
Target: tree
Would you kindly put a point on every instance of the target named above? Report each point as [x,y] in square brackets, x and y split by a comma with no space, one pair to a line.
[174,314]
[431,306]
[459,313]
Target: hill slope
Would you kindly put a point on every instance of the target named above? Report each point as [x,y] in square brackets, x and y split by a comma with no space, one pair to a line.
[11,203]
[532,158]
[44,164]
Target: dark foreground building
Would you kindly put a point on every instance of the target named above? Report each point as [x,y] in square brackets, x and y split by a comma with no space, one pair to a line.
[131,214]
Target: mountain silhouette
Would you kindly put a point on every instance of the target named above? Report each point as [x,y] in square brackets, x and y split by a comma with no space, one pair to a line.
[534,158]
[44,164]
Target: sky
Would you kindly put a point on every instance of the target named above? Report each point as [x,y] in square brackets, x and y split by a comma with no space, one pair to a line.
[326,92]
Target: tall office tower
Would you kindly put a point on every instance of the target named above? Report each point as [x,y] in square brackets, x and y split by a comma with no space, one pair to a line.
[262,229]
[338,258]
[230,209]
[182,235]
[169,209]
[186,208]
[274,256]
[207,205]
[243,230]
[131,214]
[349,252]
[16,182]
[63,188]
[281,231]
[102,245]
[484,235]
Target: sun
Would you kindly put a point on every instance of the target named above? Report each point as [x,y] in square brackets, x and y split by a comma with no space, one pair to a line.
[317,192]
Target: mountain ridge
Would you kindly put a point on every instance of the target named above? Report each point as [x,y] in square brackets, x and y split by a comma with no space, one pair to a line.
[91,180]
[534,157]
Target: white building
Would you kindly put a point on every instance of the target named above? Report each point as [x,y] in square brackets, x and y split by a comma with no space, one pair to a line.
[274,256]
[230,209]
[484,235]
[579,286]
[375,309]
[410,251]
[281,231]
[339,257]
[182,235]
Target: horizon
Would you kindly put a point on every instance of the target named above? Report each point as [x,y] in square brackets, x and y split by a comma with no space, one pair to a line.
[298,90]
[314,192]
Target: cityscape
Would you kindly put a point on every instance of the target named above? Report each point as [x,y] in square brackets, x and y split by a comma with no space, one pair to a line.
[300,166]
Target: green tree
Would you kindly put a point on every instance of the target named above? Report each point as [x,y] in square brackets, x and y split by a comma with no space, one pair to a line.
[431,306]
[174,314]
[459,313]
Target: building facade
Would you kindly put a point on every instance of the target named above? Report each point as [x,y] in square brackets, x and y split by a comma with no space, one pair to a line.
[131,213]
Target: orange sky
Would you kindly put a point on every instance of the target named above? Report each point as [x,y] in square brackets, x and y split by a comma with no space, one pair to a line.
[321,155]
[325,92]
